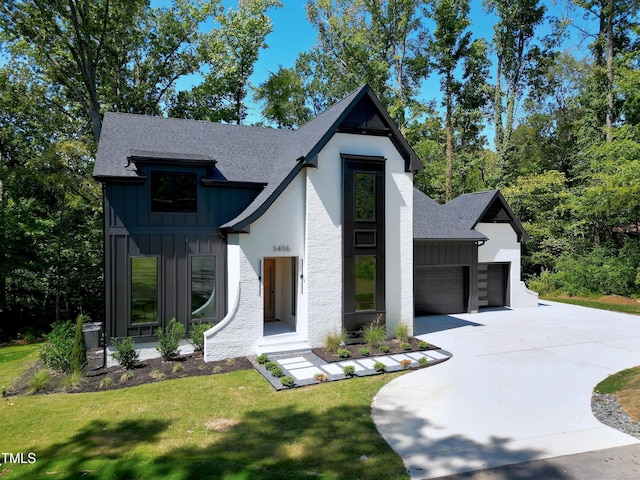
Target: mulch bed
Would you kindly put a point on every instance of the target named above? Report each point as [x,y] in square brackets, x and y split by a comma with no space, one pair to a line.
[394,347]
[147,371]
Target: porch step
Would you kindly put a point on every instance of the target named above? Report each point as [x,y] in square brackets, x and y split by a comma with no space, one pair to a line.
[282,346]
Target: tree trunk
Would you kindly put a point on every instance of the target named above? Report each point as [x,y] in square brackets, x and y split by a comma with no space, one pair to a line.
[449,152]
[609,58]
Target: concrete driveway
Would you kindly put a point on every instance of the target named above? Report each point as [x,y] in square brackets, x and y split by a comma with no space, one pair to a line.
[518,388]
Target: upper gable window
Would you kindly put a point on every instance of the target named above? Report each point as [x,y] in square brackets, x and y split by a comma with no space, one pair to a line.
[174,192]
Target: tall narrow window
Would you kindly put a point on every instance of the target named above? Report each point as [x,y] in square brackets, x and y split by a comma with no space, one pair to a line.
[365,193]
[294,285]
[144,289]
[365,282]
[203,287]
[174,192]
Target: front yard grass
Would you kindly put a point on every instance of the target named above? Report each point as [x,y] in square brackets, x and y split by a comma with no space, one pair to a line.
[227,426]
[625,385]
[612,303]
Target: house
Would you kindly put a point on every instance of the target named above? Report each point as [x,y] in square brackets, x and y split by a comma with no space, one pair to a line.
[280,236]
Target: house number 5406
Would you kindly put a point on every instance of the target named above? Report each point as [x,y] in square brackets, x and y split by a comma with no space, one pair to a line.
[281,248]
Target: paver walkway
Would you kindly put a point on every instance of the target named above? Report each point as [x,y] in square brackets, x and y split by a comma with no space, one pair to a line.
[518,388]
[303,366]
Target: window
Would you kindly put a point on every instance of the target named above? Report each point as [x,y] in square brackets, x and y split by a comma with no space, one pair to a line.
[144,289]
[203,287]
[365,282]
[365,193]
[294,285]
[174,192]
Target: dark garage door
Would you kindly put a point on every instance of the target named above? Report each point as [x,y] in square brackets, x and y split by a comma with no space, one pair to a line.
[439,290]
[492,284]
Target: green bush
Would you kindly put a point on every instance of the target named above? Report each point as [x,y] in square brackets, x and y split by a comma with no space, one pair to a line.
[56,352]
[344,353]
[423,345]
[270,366]
[365,352]
[197,335]
[262,358]
[405,346]
[402,332]
[379,367]
[125,353]
[423,361]
[385,348]
[287,381]
[169,340]
[78,360]
[349,370]
[277,372]
[39,381]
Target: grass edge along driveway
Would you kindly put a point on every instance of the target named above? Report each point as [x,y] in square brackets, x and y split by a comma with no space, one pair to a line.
[228,426]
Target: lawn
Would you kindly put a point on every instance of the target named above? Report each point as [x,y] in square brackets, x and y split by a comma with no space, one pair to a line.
[625,385]
[612,303]
[226,426]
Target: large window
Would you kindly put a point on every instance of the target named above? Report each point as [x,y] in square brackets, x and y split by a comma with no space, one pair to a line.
[174,192]
[365,193]
[203,287]
[144,289]
[365,282]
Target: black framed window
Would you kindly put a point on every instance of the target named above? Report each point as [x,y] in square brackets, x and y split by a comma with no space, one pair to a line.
[174,192]
[203,287]
[144,289]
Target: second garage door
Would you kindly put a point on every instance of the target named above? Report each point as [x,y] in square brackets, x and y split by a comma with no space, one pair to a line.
[440,290]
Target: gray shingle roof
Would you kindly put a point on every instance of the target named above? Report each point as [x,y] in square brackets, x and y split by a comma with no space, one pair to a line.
[432,221]
[243,154]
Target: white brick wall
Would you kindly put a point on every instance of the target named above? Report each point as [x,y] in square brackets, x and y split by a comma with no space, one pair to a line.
[307,218]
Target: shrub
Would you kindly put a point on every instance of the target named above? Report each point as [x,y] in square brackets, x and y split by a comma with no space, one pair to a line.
[404,363]
[287,381]
[157,374]
[344,353]
[40,380]
[277,372]
[125,353]
[231,361]
[262,358]
[197,335]
[332,341]
[374,333]
[169,339]
[106,382]
[423,361]
[128,375]
[217,369]
[379,367]
[423,345]
[178,367]
[405,346]
[349,370]
[78,360]
[74,379]
[402,332]
[270,366]
[56,352]
[365,352]
[385,348]
[320,377]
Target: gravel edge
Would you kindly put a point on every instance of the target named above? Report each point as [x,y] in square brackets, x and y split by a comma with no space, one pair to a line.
[606,409]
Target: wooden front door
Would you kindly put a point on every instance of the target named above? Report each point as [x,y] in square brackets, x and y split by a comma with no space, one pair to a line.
[269,279]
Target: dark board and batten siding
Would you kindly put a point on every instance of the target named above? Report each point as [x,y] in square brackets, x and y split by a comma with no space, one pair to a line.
[133,230]
[445,277]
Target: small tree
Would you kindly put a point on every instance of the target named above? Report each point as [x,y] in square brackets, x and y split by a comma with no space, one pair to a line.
[197,335]
[169,339]
[79,350]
